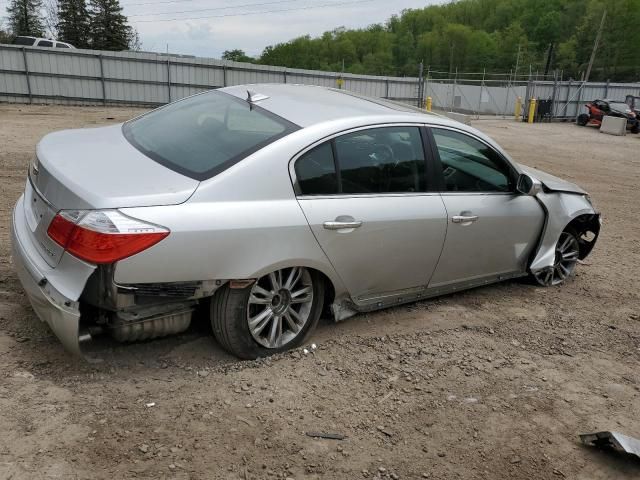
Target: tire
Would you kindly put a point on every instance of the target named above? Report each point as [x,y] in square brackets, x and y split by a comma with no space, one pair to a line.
[636,128]
[564,267]
[583,119]
[232,309]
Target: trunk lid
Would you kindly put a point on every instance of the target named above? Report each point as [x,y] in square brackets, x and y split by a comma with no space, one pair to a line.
[93,168]
[99,168]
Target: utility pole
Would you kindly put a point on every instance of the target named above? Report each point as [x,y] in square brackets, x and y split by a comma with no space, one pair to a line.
[420,84]
[451,46]
[549,57]
[515,75]
[595,46]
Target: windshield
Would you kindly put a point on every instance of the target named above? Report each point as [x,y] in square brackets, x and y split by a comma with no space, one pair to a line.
[203,135]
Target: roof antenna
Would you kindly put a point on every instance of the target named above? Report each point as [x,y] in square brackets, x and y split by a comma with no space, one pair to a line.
[253,97]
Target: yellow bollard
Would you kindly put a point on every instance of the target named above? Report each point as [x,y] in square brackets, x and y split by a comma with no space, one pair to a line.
[428,104]
[532,110]
[518,111]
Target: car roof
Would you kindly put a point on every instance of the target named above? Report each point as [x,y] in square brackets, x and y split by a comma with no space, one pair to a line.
[307,105]
[42,38]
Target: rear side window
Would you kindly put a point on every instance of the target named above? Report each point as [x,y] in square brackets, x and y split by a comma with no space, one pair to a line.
[316,171]
[203,135]
[27,42]
[45,43]
[381,160]
[372,161]
[61,45]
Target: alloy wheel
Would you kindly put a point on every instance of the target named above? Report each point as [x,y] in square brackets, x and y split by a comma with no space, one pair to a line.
[567,252]
[280,306]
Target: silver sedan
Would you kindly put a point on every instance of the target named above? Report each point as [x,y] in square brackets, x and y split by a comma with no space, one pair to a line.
[271,204]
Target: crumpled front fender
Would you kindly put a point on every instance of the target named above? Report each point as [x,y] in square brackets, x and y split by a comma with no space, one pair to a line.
[561,209]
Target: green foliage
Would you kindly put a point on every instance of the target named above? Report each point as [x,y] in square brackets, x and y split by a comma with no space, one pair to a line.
[5,36]
[237,55]
[472,35]
[25,17]
[108,26]
[73,23]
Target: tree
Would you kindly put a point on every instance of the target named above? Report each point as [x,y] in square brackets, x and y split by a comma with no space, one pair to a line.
[474,35]
[135,43]
[237,55]
[5,36]
[108,27]
[25,17]
[73,22]
[51,17]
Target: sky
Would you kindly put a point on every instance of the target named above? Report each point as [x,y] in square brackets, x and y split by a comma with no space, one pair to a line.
[209,37]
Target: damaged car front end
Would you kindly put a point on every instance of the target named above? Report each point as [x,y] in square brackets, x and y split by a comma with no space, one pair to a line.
[567,208]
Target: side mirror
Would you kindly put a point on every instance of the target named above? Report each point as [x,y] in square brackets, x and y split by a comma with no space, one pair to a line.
[528,185]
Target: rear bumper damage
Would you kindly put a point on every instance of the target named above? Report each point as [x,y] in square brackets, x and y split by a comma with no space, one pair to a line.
[53,293]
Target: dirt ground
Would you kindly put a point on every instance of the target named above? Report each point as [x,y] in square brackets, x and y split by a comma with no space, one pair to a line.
[494,383]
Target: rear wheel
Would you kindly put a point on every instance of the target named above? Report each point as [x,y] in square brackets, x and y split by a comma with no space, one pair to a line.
[276,313]
[564,266]
[583,119]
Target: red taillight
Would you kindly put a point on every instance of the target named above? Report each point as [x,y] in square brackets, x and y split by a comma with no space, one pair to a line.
[103,236]
[60,229]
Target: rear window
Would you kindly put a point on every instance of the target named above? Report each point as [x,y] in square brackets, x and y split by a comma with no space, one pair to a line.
[203,135]
[24,41]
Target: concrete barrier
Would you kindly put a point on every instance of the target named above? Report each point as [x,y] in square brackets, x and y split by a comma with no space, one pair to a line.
[614,125]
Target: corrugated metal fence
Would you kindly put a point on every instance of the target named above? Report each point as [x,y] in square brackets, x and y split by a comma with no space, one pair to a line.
[567,98]
[87,77]
[46,75]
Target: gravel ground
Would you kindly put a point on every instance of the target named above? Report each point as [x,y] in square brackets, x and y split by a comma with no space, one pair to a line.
[492,383]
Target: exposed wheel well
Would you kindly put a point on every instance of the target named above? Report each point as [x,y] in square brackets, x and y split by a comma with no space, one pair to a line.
[329,291]
[587,228]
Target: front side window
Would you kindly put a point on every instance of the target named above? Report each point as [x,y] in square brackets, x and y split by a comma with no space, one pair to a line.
[203,135]
[469,165]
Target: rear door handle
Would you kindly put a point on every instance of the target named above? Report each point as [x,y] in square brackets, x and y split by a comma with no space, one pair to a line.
[335,225]
[464,218]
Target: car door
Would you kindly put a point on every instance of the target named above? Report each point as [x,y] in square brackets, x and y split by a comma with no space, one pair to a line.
[367,201]
[492,229]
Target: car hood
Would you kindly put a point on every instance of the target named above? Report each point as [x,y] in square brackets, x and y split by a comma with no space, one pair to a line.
[99,168]
[552,182]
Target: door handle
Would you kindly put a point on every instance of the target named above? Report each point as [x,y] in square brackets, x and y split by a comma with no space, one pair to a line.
[336,225]
[464,218]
